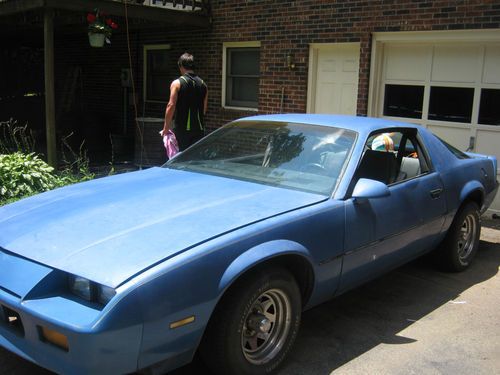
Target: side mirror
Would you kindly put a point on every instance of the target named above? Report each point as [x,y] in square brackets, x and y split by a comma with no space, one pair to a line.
[366,189]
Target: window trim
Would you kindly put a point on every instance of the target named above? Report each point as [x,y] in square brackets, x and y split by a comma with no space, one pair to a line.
[225,46]
[146,48]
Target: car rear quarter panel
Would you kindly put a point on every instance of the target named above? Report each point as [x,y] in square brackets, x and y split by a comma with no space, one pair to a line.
[461,177]
[193,282]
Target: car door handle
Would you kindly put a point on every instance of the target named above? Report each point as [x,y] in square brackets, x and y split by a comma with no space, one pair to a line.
[436,193]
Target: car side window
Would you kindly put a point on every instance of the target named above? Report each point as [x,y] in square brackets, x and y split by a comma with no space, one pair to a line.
[379,161]
[411,159]
[392,157]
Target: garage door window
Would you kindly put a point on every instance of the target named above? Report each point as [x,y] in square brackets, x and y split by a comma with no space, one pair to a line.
[489,109]
[452,104]
[403,101]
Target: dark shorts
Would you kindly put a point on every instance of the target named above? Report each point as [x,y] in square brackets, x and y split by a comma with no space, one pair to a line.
[186,139]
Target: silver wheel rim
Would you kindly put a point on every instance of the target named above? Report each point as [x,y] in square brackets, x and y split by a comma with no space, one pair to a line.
[466,238]
[266,327]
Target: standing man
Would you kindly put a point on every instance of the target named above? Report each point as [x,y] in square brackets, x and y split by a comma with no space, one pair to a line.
[187,105]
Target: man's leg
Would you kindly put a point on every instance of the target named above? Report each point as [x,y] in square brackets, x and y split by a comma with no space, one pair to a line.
[195,137]
[182,140]
[186,139]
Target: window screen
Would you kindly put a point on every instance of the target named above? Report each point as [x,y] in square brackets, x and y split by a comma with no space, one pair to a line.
[158,74]
[242,77]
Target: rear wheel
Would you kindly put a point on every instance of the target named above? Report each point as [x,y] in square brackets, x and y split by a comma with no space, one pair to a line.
[254,326]
[462,241]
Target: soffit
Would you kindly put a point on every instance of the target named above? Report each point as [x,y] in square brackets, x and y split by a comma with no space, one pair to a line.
[29,11]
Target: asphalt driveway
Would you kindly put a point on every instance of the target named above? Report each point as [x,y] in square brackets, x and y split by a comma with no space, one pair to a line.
[413,320]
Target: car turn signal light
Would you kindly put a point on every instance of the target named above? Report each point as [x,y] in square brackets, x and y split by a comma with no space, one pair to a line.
[54,338]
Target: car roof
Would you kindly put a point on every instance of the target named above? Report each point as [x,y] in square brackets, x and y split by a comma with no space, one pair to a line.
[356,123]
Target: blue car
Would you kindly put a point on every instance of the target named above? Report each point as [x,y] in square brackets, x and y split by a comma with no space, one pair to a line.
[220,250]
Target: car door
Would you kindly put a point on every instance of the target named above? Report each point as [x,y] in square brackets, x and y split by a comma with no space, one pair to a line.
[382,233]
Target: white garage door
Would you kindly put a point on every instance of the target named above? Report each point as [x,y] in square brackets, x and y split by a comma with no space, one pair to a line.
[449,84]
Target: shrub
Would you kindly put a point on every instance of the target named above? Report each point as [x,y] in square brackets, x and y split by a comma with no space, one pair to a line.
[23,175]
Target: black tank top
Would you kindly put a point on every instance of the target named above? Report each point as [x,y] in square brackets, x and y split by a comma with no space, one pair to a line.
[190,104]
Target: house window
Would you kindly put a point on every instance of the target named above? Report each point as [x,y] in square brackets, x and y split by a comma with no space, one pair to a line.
[489,109]
[158,71]
[241,75]
[403,101]
[452,104]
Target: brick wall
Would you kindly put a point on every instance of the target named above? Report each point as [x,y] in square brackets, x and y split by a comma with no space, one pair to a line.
[290,26]
[282,27]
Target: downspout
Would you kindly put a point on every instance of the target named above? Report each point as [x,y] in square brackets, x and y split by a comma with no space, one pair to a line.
[50,112]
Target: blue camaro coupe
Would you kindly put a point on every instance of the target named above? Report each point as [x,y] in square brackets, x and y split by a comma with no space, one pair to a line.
[221,249]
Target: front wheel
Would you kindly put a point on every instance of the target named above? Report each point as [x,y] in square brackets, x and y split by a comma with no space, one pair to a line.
[254,326]
[462,241]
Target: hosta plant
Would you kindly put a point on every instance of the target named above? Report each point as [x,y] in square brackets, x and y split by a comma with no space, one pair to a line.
[23,175]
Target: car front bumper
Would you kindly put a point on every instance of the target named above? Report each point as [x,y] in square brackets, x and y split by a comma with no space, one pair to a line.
[89,351]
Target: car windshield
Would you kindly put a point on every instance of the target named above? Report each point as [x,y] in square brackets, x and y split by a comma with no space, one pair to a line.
[295,156]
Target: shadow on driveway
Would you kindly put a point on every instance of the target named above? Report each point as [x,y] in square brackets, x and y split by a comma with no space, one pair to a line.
[340,330]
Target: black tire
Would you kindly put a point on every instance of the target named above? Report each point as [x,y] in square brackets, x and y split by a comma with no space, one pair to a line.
[462,240]
[230,345]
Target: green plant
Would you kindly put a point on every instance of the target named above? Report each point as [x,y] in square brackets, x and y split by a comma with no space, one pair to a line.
[99,23]
[23,175]
[15,138]
[76,166]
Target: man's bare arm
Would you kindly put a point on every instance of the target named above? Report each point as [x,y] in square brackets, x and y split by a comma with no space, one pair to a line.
[170,110]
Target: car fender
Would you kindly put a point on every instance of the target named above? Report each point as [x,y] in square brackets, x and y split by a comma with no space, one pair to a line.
[469,187]
[258,255]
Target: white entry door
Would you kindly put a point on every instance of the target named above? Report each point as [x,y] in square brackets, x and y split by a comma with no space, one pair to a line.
[333,78]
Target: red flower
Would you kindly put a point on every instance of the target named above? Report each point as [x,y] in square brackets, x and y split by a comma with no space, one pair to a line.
[108,21]
[91,18]
[114,26]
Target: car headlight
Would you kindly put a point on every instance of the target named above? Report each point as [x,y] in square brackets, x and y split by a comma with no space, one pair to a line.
[81,287]
[89,290]
[104,294]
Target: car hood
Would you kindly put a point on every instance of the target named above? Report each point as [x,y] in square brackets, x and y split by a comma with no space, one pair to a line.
[112,228]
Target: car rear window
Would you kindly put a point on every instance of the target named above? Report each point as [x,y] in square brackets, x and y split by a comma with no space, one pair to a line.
[459,154]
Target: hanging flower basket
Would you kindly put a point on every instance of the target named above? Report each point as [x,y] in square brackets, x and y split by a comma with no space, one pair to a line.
[100,28]
[96,40]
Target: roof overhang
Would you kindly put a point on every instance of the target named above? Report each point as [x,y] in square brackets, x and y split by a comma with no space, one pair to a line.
[158,15]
